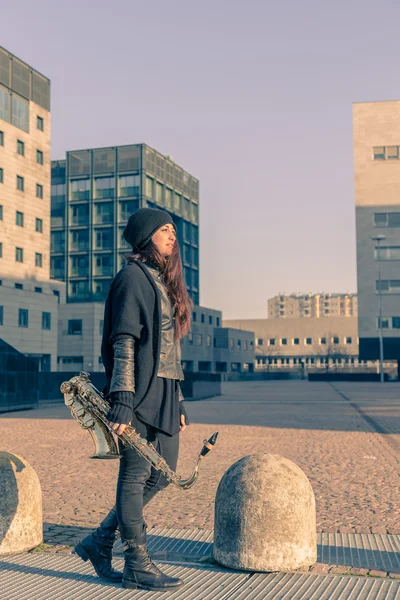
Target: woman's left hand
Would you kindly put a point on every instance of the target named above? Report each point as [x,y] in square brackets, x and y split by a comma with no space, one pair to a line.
[183,423]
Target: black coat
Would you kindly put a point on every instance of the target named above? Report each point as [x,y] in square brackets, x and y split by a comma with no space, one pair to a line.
[133,307]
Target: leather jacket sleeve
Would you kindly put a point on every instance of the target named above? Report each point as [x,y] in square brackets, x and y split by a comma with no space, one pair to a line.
[123,375]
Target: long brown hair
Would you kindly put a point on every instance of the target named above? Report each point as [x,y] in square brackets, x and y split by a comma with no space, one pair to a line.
[172,273]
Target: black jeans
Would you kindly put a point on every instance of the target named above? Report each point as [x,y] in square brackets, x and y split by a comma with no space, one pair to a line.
[138,481]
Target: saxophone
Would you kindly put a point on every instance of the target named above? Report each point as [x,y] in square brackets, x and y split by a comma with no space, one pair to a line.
[89,408]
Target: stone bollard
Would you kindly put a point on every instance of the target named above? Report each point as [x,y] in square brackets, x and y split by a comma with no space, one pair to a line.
[265,516]
[21,526]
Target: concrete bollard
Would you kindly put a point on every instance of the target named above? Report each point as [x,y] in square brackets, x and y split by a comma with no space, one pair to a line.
[265,516]
[21,526]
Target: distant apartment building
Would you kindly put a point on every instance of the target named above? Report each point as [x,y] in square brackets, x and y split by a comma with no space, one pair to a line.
[28,298]
[376,132]
[312,305]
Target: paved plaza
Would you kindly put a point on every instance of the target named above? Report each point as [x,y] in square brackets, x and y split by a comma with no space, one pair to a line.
[345,436]
[335,433]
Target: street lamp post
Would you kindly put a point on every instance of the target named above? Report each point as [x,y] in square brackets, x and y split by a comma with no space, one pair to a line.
[378,239]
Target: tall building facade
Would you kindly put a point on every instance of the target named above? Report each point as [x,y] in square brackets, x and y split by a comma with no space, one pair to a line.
[376,132]
[28,299]
[93,194]
[294,306]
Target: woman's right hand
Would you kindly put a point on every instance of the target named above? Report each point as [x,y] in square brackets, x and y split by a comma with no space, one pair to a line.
[118,428]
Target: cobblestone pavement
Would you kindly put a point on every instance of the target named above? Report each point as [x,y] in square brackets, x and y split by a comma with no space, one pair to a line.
[352,468]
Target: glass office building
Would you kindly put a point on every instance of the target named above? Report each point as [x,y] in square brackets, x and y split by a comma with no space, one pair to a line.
[93,194]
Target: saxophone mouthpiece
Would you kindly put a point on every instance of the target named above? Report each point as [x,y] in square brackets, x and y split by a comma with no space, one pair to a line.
[209,444]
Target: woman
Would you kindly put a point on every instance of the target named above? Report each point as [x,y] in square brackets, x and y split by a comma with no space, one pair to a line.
[147,312]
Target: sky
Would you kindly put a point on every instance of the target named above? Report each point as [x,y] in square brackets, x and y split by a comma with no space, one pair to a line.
[254,98]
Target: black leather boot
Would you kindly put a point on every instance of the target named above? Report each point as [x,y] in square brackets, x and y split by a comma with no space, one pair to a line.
[97,547]
[140,571]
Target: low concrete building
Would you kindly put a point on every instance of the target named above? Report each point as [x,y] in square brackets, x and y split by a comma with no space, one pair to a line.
[294,343]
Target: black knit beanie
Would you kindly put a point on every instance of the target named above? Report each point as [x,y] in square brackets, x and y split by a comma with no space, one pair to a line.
[143,224]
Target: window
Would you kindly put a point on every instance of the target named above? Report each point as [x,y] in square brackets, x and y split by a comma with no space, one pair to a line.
[395,322]
[388,286]
[80,189]
[392,152]
[39,157]
[387,253]
[284,341]
[46,321]
[23,317]
[199,339]
[296,341]
[19,218]
[385,323]
[101,327]
[194,316]
[308,341]
[202,317]
[272,342]
[38,290]
[18,286]
[335,340]
[129,185]
[75,327]
[209,340]
[20,148]
[1,138]
[70,360]
[104,187]
[385,219]
[218,321]
[159,192]
[39,225]
[20,183]
[349,340]
[57,294]
[1,176]
[39,123]
[39,191]
[19,255]
[323,340]
[190,338]
[379,152]
[1,249]
[1,315]
[149,187]
[38,259]
[260,342]
[1,212]
[239,343]
[20,112]
[210,320]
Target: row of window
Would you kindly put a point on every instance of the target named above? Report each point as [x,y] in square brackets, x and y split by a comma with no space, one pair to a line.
[128,186]
[21,149]
[308,341]
[19,256]
[19,220]
[386,152]
[23,318]
[20,184]
[203,319]
[309,360]
[38,290]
